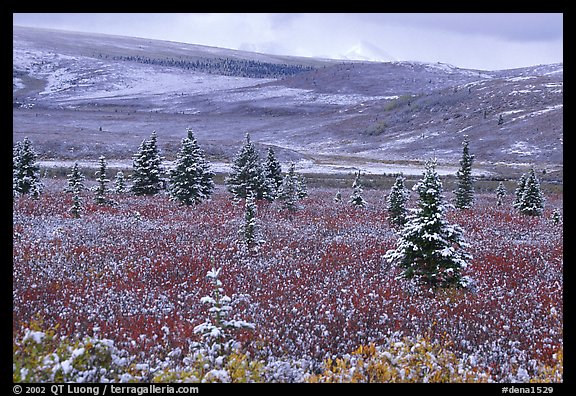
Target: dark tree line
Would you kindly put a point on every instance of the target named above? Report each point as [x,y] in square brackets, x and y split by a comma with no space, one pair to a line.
[224,66]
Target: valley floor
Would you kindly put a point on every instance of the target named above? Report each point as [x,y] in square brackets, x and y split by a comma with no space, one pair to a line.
[317,288]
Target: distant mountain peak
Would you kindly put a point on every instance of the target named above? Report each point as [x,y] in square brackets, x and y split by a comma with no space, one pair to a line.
[366,51]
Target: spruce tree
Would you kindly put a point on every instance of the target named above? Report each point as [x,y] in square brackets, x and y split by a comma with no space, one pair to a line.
[191,180]
[338,197]
[356,199]
[249,233]
[465,191]
[147,165]
[75,186]
[500,194]
[521,184]
[217,341]
[75,180]
[397,203]
[100,197]
[301,187]
[120,183]
[25,170]
[429,250]
[247,174]
[556,217]
[288,193]
[532,200]
[273,172]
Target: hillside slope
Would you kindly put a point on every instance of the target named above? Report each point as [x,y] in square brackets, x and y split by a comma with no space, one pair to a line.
[80,95]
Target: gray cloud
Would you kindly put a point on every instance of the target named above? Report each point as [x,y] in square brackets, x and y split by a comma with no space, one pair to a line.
[482,41]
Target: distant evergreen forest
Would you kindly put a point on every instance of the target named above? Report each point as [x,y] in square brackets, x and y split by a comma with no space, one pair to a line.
[223,66]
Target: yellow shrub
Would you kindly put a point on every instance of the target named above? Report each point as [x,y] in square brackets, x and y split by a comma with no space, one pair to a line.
[410,360]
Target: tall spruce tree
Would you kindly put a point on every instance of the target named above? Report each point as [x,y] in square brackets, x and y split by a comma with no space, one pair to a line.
[147,165]
[356,198]
[273,172]
[396,202]
[191,180]
[247,174]
[429,250]
[101,181]
[532,200]
[465,191]
[25,170]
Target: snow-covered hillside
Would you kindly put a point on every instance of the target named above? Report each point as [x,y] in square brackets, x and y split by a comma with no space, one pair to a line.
[83,95]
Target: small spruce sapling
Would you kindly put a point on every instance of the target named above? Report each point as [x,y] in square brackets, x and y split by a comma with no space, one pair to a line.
[217,342]
[356,198]
[75,186]
[500,194]
[101,180]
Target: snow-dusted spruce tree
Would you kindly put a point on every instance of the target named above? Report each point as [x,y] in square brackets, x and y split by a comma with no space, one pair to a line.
[556,217]
[464,194]
[247,174]
[288,192]
[396,203]
[532,200]
[25,170]
[273,172]
[248,234]
[429,250]
[519,190]
[75,186]
[101,181]
[500,194]
[75,180]
[338,197]
[147,165]
[120,183]
[301,187]
[191,180]
[217,339]
[356,197]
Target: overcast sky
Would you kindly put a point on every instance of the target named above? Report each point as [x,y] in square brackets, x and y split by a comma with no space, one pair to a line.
[478,41]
